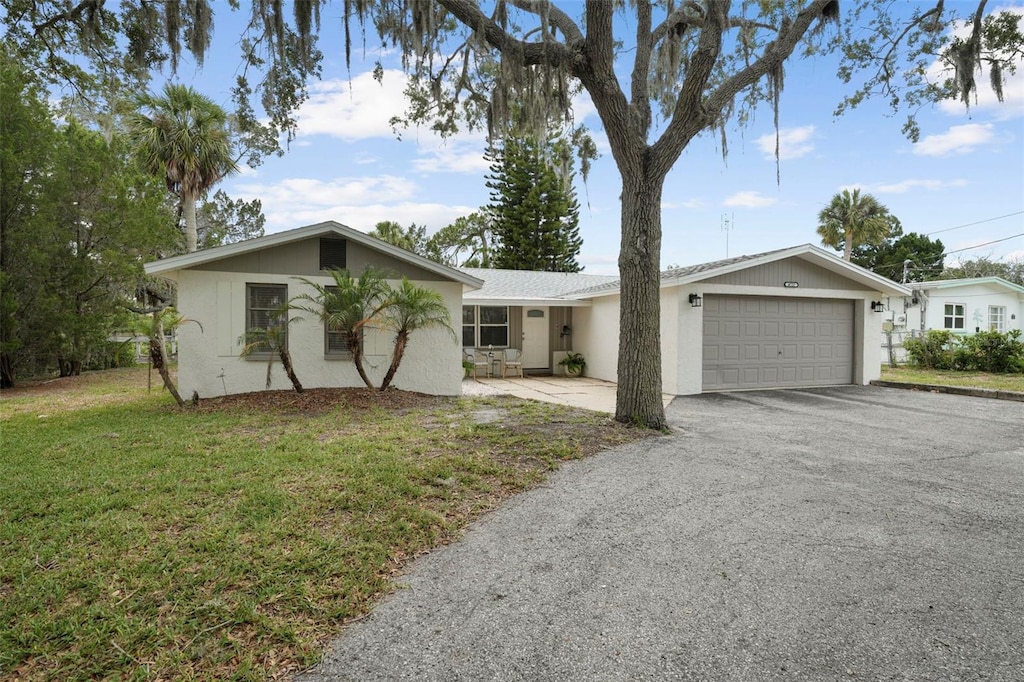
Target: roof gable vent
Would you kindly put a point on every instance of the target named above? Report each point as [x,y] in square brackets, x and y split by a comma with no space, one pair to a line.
[332,254]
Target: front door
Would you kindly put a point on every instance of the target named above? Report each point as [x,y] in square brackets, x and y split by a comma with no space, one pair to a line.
[536,353]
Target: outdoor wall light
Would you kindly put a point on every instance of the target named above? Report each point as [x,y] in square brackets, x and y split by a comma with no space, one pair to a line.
[565,330]
[877,306]
[696,301]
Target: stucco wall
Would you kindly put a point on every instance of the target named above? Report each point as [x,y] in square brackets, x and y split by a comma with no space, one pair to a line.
[596,336]
[976,299]
[209,362]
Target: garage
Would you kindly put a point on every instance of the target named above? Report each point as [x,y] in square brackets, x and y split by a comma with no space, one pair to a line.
[752,342]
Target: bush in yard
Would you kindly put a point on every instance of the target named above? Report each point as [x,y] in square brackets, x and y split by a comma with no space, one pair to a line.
[934,350]
[990,352]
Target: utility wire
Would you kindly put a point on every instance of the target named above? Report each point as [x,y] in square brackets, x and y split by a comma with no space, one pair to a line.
[979,222]
[978,246]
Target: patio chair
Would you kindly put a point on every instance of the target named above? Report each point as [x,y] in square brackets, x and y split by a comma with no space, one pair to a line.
[479,360]
[513,362]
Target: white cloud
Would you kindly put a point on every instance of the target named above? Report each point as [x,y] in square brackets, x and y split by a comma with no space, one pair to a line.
[355,109]
[689,204]
[359,203]
[793,143]
[749,200]
[956,140]
[907,185]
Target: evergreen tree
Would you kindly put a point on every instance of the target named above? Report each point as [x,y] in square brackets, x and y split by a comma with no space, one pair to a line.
[536,216]
[412,238]
[889,258]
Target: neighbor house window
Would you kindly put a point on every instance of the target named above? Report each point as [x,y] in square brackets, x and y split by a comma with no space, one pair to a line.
[333,253]
[263,309]
[997,318]
[335,344]
[485,325]
[953,316]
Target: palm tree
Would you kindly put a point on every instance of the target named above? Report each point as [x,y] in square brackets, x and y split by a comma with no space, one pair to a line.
[408,308]
[348,306]
[852,219]
[155,327]
[274,341]
[183,136]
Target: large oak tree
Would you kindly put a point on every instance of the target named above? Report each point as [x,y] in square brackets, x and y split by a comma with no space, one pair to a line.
[699,63]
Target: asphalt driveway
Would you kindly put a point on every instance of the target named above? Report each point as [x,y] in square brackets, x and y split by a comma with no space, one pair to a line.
[847,533]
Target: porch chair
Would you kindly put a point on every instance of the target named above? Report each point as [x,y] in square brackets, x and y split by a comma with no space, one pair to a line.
[513,361]
[479,360]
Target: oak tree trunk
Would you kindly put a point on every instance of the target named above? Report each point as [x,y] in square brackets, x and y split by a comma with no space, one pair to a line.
[638,399]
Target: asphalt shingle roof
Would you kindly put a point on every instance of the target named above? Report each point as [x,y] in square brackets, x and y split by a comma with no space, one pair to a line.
[530,284]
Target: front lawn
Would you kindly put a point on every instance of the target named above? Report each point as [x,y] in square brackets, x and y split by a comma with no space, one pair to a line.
[141,541]
[1002,382]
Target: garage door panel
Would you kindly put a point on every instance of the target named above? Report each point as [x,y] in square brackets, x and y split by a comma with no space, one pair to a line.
[761,342]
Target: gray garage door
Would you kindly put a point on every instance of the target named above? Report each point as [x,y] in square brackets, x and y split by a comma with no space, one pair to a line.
[755,342]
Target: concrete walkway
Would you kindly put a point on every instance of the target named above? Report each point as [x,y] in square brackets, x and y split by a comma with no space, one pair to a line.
[590,394]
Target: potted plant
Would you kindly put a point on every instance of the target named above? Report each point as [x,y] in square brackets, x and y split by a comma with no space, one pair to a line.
[573,364]
[467,367]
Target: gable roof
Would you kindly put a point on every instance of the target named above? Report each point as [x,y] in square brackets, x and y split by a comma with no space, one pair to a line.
[530,287]
[818,256]
[998,282]
[168,266]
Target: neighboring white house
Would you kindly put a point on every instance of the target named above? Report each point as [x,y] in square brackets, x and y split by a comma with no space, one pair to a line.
[793,317]
[962,306]
[789,318]
[230,289]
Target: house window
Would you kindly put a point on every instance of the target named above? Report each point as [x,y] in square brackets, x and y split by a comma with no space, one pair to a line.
[468,326]
[263,310]
[335,344]
[997,318]
[953,316]
[332,254]
[484,325]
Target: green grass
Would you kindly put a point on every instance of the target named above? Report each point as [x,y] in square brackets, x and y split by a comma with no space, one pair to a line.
[1003,382]
[139,541]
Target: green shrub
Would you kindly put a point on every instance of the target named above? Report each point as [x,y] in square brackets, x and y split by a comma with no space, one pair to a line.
[935,350]
[981,352]
[990,352]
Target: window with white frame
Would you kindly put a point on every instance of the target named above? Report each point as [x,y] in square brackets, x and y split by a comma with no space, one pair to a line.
[997,318]
[263,310]
[953,316]
[484,325]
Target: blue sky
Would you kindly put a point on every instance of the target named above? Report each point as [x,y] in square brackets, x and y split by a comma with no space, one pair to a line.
[962,183]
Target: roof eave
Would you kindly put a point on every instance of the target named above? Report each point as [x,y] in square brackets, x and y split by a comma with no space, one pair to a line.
[165,268]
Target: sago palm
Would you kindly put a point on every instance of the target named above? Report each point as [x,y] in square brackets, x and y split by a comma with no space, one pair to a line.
[348,306]
[183,136]
[408,308]
[851,219]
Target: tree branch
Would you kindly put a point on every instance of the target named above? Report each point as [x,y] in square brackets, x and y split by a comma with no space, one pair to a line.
[775,54]
[562,21]
[546,52]
[640,100]
[73,14]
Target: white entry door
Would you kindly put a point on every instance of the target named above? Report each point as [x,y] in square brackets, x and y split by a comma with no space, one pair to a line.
[536,353]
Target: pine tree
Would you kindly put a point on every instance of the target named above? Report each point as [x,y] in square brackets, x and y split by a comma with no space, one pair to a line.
[536,215]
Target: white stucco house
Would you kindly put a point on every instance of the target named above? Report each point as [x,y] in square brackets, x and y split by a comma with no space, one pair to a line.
[960,305]
[789,318]
[232,288]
